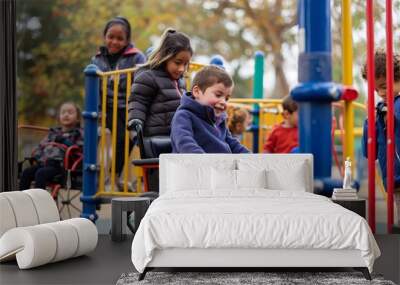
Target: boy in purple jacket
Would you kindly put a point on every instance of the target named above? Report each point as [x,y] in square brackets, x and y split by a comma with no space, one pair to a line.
[199,124]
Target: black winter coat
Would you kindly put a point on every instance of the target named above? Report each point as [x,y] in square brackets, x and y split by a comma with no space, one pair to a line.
[154,100]
[130,57]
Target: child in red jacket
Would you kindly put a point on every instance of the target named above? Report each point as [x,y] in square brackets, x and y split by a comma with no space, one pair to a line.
[284,137]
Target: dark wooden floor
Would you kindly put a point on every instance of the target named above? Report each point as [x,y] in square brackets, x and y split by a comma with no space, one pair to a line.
[110,260]
[389,262]
[103,266]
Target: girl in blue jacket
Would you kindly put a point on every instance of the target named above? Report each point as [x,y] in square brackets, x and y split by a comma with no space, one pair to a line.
[380,125]
[118,52]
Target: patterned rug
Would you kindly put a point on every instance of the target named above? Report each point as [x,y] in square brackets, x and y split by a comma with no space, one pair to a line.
[242,278]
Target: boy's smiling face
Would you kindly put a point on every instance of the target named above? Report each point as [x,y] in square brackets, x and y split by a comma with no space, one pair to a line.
[215,96]
[381,88]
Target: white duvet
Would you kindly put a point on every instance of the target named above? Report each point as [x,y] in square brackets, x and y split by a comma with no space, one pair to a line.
[255,218]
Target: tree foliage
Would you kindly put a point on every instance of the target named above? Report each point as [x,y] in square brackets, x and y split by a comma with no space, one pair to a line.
[57,38]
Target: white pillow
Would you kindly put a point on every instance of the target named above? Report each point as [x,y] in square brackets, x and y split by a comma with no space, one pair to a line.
[251,178]
[184,175]
[281,174]
[237,179]
[279,179]
[223,179]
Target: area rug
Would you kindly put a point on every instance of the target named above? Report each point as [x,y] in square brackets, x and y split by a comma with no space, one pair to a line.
[242,278]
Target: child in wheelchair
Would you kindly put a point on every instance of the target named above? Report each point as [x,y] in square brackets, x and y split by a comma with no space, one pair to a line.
[47,159]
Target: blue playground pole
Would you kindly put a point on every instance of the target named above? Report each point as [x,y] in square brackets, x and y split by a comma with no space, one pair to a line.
[90,115]
[316,91]
[258,90]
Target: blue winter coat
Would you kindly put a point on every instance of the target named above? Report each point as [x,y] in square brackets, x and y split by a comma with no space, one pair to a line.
[381,149]
[195,129]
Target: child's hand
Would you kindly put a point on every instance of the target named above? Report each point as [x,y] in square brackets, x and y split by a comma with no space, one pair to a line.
[135,125]
[132,135]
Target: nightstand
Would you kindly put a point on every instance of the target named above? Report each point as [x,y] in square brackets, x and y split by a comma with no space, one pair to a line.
[121,206]
[358,206]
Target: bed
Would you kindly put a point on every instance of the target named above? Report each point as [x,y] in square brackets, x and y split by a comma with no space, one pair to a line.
[247,210]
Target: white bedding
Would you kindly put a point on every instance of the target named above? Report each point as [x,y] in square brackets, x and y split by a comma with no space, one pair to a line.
[252,218]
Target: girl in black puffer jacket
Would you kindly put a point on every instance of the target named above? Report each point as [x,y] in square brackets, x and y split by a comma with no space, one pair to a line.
[157,86]
[117,53]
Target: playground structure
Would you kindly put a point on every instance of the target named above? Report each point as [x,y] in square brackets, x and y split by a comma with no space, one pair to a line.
[316,92]
[371,114]
[266,113]
[316,95]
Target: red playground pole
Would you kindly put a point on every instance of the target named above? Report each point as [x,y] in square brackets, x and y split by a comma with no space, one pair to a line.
[371,114]
[390,115]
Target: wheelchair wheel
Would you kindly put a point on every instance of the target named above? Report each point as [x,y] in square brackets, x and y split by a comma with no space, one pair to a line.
[69,204]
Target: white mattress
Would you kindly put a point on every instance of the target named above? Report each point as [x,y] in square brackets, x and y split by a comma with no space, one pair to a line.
[256,219]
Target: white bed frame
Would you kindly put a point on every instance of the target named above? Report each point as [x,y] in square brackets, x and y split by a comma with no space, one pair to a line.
[234,257]
[251,258]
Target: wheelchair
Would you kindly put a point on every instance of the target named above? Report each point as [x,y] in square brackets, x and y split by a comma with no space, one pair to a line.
[66,187]
[63,185]
[150,149]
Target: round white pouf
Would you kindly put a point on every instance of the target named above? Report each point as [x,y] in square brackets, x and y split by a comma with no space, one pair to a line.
[33,246]
[66,238]
[23,208]
[7,217]
[45,205]
[87,235]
